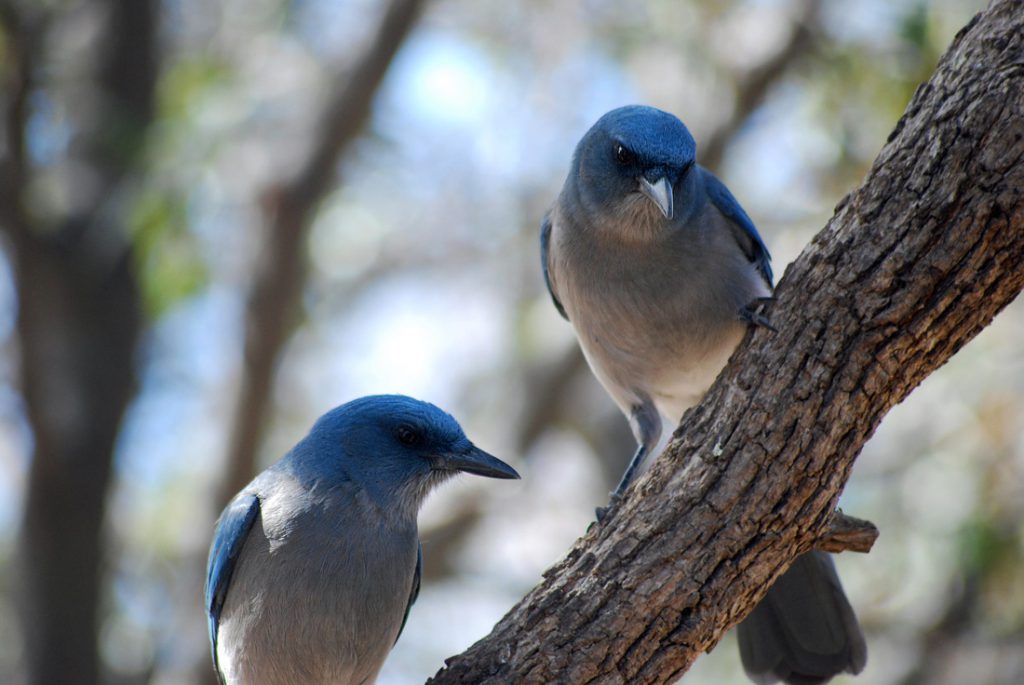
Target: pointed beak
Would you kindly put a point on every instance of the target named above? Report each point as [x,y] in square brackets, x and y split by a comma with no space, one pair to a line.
[660,193]
[474,460]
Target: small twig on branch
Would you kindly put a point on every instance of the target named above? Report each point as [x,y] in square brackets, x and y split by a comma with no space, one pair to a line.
[914,264]
[848,534]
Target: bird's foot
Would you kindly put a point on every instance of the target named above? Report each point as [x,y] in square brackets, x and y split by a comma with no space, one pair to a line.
[602,512]
[752,313]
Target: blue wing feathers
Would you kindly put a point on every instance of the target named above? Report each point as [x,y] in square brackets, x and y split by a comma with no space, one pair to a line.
[415,592]
[232,530]
[755,248]
[545,240]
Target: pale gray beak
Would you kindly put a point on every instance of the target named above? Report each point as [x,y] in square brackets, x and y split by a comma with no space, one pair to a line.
[660,193]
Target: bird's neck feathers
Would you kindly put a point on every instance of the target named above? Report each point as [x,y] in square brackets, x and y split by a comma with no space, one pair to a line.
[633,223]
[397,495]
[642,219]
[397,503]
[413,493]
[327,470]
[634,220]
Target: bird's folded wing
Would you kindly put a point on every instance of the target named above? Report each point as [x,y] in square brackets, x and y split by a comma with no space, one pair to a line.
[745,232]
[545,240]
[232,529]
[415,591]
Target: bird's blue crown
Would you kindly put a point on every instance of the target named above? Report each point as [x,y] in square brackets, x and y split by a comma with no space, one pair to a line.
[651,136]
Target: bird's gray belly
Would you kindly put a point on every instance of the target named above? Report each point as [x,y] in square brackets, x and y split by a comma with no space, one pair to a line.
[313,609]
[644,339]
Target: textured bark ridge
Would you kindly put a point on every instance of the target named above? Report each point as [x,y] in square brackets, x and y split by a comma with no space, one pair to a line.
[911,267]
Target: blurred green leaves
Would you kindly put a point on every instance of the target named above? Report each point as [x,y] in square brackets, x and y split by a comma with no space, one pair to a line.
[186,82]
[168,256]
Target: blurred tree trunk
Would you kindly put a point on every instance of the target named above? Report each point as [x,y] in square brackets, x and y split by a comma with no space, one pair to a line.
[272,309]
[279,276]
[79,320]
[913,265]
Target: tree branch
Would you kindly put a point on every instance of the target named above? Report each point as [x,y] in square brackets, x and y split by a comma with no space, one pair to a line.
[848,534]
[280,274]
[913,265]
[754,86]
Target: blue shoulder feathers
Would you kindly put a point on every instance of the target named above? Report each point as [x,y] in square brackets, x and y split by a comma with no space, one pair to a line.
[229,538]
[746,235]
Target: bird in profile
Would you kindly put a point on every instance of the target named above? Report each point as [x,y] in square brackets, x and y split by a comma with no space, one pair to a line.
[660,271]
[315,564]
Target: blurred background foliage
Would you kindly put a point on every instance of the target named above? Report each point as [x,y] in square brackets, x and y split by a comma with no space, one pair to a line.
[319,200]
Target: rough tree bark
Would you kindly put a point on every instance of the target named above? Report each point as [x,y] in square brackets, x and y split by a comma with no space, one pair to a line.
[79,318]
[289,210]
[912,266]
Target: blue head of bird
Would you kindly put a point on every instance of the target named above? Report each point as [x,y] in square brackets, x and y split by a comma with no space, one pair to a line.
[635,163]
[396,448]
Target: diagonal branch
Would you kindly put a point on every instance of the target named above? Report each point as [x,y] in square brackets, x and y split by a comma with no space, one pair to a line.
[280,274]
[755,85]
[913,265]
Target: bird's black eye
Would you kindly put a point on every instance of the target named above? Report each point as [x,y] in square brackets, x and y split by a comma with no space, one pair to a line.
[622,154]
[407,435]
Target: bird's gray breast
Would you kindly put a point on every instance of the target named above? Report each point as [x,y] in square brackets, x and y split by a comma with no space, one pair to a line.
[319,592]
[655,314]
